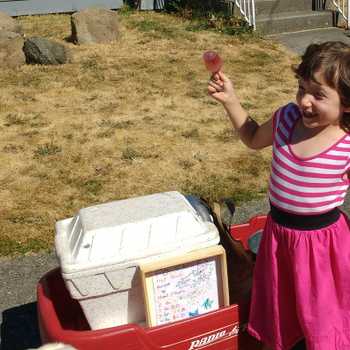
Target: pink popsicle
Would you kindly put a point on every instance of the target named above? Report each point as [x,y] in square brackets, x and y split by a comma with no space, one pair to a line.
[212,61]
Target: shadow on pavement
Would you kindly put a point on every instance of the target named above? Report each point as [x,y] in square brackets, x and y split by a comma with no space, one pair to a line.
[19,328]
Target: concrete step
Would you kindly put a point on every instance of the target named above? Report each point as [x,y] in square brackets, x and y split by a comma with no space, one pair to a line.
[294,21]
[269,7]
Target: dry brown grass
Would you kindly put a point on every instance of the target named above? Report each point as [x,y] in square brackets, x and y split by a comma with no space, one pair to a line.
[128,119]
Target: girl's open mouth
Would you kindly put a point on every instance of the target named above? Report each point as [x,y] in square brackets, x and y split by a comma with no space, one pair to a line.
[308,115]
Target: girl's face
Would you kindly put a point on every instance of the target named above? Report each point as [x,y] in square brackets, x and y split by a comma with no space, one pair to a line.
[319,103]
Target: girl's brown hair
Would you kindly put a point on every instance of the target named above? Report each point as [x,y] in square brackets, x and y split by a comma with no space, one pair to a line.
[332,58]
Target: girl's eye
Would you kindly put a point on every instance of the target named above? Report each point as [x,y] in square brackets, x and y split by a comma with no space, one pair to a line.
[319,96]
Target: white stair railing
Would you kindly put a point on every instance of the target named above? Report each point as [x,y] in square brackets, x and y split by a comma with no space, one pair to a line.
[247,10]
[342,6]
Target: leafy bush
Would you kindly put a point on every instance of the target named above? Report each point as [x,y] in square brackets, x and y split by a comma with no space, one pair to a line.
[209,14]
[222,23]
[191,8]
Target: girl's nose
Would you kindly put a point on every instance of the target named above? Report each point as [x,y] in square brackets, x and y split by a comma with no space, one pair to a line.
[306,100]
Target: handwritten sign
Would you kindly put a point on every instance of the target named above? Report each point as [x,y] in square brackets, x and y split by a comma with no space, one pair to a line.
[186,286]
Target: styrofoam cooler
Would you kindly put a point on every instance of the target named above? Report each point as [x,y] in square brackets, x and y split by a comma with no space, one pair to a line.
[101,248]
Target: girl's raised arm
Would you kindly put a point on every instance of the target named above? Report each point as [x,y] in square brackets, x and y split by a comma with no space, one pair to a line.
[252,134]
[256,136]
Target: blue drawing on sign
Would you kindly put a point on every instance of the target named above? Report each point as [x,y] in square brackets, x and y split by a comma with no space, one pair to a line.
[193,313]
[208,303]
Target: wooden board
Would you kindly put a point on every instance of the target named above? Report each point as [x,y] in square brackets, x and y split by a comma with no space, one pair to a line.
[185,286]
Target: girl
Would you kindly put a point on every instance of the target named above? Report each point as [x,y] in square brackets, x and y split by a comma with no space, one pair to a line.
[301,286]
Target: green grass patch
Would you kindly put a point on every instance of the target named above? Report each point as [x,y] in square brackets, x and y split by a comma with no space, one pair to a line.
[93,186]
[47,149]
[156,29]
[129,153]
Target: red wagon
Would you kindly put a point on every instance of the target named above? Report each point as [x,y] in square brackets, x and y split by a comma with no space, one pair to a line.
[61,319]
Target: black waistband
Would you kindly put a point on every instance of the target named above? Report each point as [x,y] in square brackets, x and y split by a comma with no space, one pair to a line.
[304,222]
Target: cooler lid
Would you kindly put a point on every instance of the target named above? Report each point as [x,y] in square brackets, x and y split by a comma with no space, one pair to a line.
[130,230]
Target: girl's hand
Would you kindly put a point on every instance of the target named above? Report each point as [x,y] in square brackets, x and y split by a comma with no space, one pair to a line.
[221,89]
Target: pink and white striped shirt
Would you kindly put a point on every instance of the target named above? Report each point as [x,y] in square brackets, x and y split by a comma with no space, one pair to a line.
[306,186]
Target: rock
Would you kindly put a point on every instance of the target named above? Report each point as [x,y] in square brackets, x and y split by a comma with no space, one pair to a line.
[44,51]
[11,50]
[94,25]
[8,24]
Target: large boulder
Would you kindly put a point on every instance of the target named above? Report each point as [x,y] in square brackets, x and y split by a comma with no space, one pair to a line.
[44,51]
[94,25]
[11,50]
[8,24]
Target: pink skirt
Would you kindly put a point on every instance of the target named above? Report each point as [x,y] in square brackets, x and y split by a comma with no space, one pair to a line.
[301,287]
